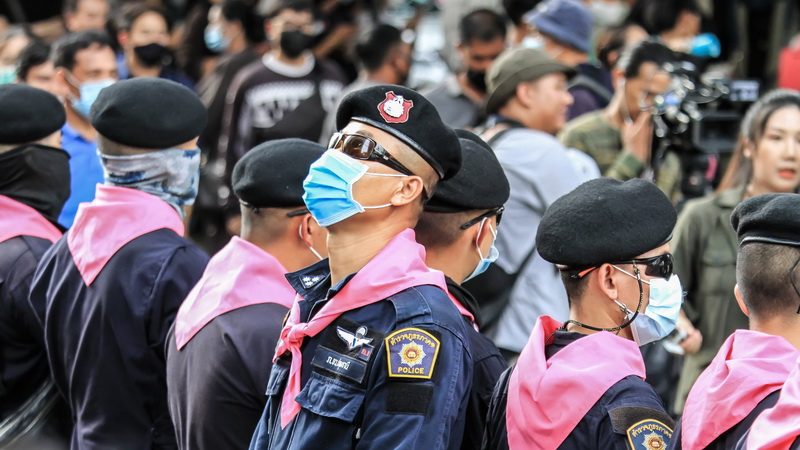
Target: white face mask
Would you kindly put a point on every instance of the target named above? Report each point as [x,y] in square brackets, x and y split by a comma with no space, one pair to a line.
[536,43]
[608,14]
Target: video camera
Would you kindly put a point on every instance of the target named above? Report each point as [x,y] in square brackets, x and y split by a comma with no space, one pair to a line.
[698,116]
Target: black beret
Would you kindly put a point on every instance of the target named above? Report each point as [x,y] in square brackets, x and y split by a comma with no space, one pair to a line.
[148,113]
[481,182]
[271,174]
[408,116]
[768,219]
[605,220]
[28,114]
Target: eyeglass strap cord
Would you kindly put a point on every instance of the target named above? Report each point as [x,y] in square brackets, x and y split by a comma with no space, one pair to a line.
[624,324]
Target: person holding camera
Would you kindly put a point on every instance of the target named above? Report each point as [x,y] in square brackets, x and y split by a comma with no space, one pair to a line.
[766,160]
[619,137]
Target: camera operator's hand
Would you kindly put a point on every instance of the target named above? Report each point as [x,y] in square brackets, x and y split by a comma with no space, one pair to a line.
[637,137]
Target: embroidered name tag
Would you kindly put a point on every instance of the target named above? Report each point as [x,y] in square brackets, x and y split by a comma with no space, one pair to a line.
[411,353]
[340,364]
[649,434]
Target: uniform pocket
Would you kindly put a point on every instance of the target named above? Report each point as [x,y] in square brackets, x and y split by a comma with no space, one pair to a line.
[277,377]
[331,398]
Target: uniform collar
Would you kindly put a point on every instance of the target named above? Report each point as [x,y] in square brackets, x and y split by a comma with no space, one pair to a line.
[731,197]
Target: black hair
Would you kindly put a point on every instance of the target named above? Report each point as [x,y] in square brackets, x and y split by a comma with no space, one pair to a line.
[610,41]
[130,13]
[515,9]
[631,60]
[765,279]
[294,5]
[245,14]
[658,16]
[65,49]
[439,230]
[373,50]
[70,6]
[34,54]
[484,25]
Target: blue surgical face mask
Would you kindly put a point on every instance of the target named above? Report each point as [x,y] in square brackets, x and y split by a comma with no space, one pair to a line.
[484,263]
[215,40]
[661,314]
[8,74]
[171,175]
[88,94]
[329,188]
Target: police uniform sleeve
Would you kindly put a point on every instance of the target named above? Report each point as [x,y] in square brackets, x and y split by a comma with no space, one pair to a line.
[634,418]
[176,277]
[422,379]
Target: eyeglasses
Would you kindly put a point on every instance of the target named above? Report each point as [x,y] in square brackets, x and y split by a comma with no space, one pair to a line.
[363,148]
[657,266]
[495,212]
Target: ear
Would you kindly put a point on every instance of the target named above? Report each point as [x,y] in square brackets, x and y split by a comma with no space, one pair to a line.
[618,79]
[603,278]
[747,148]
[523,93]
[485,232]
[314,235]
[738,294]
[409,189]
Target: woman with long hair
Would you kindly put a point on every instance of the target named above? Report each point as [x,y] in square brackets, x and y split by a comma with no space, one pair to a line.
[766,160]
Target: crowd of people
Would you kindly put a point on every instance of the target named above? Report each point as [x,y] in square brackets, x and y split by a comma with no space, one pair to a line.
[253,224]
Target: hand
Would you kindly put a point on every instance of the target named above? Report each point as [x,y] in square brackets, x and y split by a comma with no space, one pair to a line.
[637,137]
[693,340]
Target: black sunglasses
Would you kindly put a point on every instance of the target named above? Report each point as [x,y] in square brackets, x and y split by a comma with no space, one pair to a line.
[657,266]
[361,147]
[299,212]
[495,212]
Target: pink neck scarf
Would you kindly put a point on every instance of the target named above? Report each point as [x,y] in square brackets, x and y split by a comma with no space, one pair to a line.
[399,266]
[547,398]
[778,427]
[18,219]
[115,217]
[748,367]
[240,275]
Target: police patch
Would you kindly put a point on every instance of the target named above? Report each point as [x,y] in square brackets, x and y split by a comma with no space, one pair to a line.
[411,353]
[649,434]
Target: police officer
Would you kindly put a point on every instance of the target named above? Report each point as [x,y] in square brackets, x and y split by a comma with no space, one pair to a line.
[113,283]
[746,376]
[458,230]
[220,350]
[376,354]
[580,384]
[33,189]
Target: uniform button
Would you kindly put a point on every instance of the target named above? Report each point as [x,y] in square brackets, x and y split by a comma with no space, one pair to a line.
[315,397]
[331,404]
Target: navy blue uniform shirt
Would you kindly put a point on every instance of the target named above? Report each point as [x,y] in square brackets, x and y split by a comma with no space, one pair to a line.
[606,424]
[348,398]
[105,342]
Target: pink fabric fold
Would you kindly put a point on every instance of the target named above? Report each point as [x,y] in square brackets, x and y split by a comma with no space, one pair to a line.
[18,219]
[240,275]
[115,217]
[547,398]
[778,427]
[399,266]
[748,367]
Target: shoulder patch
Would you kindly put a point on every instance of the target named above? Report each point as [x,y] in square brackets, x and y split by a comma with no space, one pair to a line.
[411,353]
[649,434]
